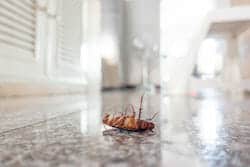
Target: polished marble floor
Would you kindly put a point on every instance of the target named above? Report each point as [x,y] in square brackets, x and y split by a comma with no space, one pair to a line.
[202,130]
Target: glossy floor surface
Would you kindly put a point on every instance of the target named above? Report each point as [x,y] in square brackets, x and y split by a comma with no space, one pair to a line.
[202,130]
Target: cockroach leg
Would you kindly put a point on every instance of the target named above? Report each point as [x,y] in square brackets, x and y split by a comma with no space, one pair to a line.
[150,119]
[133,108]
[126,110]
[130,106]
[104,127]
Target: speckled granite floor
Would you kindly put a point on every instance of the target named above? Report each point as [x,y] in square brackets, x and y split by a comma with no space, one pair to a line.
[67,131]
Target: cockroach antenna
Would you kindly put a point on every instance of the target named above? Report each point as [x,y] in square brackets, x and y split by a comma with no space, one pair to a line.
[140,109]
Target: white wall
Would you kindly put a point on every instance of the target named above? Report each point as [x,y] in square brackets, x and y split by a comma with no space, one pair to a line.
[141,21]
[91,58]
[244,53]
[244,58]
[121,22]
[111,38]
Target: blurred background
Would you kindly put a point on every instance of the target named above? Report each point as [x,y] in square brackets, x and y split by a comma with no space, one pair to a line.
[66,63]
[74,46]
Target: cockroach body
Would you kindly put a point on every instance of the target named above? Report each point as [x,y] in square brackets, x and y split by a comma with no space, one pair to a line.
[129,122]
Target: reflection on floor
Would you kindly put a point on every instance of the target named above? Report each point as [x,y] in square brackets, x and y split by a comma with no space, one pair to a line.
[67,131]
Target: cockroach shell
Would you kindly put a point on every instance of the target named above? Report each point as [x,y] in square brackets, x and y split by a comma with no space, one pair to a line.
[146,125]
[119,121]
[129,123]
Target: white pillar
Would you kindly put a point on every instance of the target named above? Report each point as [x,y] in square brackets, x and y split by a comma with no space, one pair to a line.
[90,58]
[231,76]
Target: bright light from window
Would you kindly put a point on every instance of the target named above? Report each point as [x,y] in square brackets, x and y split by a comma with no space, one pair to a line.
[210,58]
[109,48]
[180,22]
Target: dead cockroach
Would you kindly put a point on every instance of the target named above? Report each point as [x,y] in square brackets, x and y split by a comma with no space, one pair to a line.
[129,122]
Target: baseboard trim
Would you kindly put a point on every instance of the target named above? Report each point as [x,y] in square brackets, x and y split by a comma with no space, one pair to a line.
[124,87]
